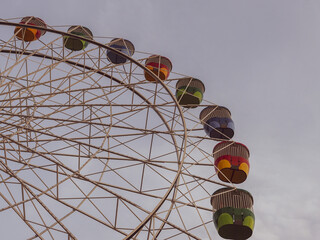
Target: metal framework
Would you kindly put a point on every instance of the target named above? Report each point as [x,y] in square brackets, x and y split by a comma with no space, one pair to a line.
[90,148]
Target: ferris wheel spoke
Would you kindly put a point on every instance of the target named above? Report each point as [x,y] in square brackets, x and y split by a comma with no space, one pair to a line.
[37,199]
[189,230]
[25,165]
[34,84]
[196,208]
[22,217]
[171,225]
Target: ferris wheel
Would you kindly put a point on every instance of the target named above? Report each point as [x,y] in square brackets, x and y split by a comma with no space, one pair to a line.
[99,139]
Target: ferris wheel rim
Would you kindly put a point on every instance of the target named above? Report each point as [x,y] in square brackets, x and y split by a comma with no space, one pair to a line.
[158,81]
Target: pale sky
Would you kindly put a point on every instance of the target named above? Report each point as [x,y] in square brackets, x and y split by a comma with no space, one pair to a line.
[259,58]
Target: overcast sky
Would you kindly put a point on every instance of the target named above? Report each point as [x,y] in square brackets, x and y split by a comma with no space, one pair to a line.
[259,58]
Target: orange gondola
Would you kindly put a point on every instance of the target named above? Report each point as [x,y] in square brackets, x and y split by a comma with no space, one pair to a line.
[160,66]
[30,34]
